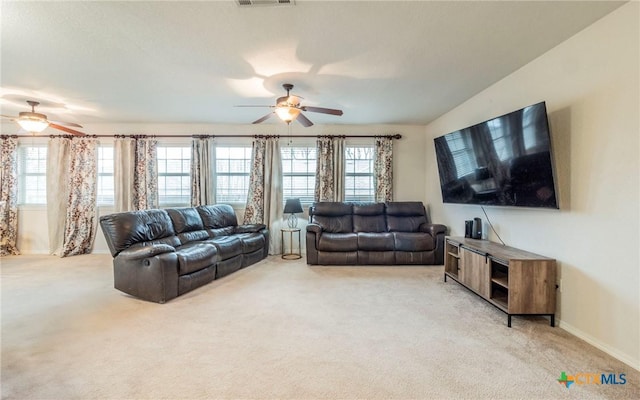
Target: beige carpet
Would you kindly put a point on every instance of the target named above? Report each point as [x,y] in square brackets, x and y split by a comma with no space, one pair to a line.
[279,330]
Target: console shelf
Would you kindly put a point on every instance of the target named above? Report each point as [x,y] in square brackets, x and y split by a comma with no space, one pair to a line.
[515,281]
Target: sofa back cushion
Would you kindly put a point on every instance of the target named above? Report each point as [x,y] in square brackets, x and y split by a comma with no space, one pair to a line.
[122,230]
[405,216]
[369,217]
[333,217]
[185,219]
[217,216]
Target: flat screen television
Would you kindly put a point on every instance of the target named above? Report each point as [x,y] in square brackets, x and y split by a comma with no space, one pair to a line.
[505,161]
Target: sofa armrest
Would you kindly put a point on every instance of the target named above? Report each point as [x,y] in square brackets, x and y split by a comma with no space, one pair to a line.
[141,252]
[315,228]
[249,228]
[438,232]
[313,236]
[434,229]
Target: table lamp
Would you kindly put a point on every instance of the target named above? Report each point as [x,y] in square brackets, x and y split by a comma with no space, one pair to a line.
[291,207]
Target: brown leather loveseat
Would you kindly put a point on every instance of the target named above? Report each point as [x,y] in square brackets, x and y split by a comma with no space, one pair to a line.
[160,254]
[373,233]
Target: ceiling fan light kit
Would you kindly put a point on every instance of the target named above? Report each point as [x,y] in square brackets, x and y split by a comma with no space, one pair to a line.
[287,114]
[32,122]
[288,109]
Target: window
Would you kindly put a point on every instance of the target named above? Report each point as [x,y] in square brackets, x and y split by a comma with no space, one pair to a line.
[32,174]
[299,173]
[106,194]
[233,165]
[358,179]
[174,183]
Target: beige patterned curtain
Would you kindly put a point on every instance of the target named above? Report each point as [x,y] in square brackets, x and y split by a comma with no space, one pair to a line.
[135,174]
[383,169]
[71,194]
[330,169]
[202,161]
[81,218]
[264,200]
[8,196]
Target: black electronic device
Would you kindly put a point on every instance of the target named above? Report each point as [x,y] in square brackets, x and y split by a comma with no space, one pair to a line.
[477,229]
[505,161]
[468,228]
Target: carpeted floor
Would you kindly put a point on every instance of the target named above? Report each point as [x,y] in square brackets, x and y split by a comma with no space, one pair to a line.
[280,330]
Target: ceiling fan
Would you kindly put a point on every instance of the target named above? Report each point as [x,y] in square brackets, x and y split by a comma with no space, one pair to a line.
[288,108]
[34,122]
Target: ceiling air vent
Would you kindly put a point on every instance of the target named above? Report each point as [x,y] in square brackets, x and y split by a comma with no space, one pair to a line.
[255,3]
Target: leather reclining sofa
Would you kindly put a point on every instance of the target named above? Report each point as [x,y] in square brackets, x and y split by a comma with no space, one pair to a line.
[160,254]
[373,233]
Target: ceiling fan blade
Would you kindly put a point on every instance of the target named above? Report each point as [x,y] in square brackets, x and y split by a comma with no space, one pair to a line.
[255,106]
[65,129]
[322,110]
[266,117]
[65,123]
[8,117]
[304,121]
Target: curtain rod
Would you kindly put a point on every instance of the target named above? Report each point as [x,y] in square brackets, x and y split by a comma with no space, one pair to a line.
[396,136]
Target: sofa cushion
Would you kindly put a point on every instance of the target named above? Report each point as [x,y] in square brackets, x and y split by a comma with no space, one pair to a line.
[376,241]
[409,241]
[333,217]
[405,208]
[217,216]
[369,223]
[251,242]
[405,216]
[195,257]
[188,237]
[185,219]
[228,246]
[338,242]
[123,230]
[368,209]
[226,231]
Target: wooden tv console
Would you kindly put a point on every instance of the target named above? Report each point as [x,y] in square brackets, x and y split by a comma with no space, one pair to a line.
[515,281]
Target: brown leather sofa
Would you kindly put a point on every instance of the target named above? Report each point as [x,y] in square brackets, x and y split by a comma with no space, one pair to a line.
[161,254]
[373,233]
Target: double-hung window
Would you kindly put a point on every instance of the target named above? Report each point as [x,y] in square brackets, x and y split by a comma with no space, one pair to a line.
[32,174]
[359,179]
[233,165]
[299,173]
[174,182]
[106,191]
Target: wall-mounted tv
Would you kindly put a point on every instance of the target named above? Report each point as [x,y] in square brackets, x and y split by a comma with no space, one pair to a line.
[505,161]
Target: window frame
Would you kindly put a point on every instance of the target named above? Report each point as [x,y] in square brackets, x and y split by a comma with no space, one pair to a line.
[355,174]
[310,174]
[23,174]
[248,151]
[181,174]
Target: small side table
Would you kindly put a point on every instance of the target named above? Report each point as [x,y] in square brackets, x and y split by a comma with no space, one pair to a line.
[290,255]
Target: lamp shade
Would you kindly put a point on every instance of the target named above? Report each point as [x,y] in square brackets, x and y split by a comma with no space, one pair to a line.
[292,206]
[32,122]
[287,114]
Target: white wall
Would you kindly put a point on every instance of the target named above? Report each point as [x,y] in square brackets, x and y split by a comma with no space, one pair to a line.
[409,162]
[591,86]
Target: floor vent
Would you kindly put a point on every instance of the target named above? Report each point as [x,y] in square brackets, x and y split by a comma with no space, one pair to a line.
[256,3]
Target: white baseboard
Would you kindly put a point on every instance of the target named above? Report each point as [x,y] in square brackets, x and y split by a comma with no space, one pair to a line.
[625,358]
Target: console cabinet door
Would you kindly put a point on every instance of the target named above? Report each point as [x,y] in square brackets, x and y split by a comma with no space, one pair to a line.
[476,272]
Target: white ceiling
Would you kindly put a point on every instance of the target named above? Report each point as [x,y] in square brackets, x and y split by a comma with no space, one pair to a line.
[384,62]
